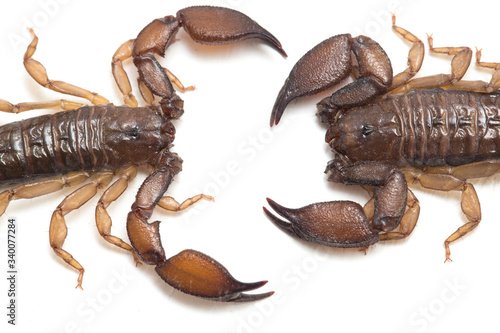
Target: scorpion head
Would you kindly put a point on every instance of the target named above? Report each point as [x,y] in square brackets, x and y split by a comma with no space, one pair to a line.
[137,133]
[367,133]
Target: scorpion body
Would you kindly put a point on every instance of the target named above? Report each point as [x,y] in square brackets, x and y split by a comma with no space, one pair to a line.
[95,142]
[89,138]
[390,131]
[431,127]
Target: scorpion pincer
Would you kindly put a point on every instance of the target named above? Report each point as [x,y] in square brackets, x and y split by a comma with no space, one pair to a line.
[49,152]
[389,131]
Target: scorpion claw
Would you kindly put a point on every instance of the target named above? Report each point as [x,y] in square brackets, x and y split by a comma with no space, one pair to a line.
[283,225]
[197,274]
[326,65]
[205,25]
[218,25]
[334,223]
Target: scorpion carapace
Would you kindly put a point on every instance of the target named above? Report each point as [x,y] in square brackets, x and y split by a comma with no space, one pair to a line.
[390,131]
[103,139]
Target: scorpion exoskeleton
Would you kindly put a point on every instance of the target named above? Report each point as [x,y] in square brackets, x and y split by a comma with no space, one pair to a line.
[385,132]
[96,140]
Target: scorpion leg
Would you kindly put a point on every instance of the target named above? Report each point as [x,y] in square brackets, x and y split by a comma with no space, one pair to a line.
[459,64]
[495,78]
[449,182]
[36,70]
[103,220]
[408,222]
[114,191]
[189,271]
[123,53]
[415,56]
[345,223]
[58,229]
[170,204]
[62,104]
[39,188]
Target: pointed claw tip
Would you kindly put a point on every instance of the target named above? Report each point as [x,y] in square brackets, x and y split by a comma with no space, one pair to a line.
[254,285]
[285,226]
[282,51]
[251,298]
[276,206]
[240,296]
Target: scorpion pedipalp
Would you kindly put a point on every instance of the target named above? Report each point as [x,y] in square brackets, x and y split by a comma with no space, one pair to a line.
[197,274]
[49,152]
[190,271]
[345,223]
[204,24]
[328,64]
[217,25]
[334,223]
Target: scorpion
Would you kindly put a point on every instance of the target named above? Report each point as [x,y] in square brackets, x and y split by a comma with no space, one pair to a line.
[389,131]
[95,142]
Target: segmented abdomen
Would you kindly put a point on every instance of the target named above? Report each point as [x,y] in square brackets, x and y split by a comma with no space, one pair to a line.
[451,127]
[51,144]
[91,137]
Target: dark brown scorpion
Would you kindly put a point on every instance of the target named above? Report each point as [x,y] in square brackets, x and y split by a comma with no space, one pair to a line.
[97,140]
[389,131]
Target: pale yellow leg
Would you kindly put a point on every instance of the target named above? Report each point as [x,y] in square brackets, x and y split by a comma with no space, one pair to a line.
[177,83]
[123,53]
[170,204]
[472,210]
[448,181]
[39,74]
[146,93]
[495,78]
[459,64]
[103,220]
[58,229]
[408,222]
[39,188]
[60,104]
[415,56]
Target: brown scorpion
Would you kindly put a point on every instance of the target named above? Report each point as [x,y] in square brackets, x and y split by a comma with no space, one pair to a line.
[49,152]
[389,131]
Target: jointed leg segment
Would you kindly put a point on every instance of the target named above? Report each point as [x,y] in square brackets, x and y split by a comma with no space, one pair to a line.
[114,191]
[469,202]
[461,60]
[58,229]
[123,53]
[415,56]
[39,74]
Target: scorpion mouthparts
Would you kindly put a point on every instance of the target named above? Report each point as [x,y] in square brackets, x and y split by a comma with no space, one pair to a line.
[197,274]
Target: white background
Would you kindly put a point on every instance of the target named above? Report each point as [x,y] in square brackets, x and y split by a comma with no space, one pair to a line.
[229,151]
